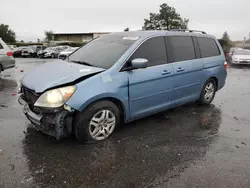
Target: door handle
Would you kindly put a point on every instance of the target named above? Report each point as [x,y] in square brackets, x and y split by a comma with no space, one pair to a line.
[180,69]
[165,72]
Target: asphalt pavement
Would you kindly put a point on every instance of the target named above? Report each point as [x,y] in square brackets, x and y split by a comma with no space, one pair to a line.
[189,146]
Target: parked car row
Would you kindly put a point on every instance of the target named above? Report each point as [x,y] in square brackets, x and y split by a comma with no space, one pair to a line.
[27,51]
[61,52]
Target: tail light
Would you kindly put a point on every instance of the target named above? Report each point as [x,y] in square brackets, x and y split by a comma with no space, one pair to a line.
[9,54]
[225,65]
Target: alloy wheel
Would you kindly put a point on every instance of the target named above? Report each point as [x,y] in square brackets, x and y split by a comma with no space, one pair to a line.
[102,124]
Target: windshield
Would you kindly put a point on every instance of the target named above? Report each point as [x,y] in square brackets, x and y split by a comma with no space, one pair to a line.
[242,52]
[104,51]
[50,49]
[233,49]
[70,49]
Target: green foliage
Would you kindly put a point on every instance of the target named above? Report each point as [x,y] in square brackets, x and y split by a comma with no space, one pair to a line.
[226,37]
[166,19]
[7,34]
[225,41]
[48,35]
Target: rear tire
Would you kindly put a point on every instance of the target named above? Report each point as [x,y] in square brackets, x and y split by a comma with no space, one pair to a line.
[208,92]
[97,122]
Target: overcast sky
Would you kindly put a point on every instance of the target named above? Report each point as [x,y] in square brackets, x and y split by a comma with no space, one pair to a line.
[29,18]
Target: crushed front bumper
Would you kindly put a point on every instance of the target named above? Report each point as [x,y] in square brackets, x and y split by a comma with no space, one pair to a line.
[57,124]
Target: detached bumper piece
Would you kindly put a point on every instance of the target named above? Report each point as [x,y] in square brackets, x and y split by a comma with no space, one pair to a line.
[53,122]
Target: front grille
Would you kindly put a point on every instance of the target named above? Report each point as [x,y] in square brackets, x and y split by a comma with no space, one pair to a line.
[30,97]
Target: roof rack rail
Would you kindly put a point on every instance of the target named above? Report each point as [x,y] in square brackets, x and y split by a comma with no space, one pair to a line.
[191,31]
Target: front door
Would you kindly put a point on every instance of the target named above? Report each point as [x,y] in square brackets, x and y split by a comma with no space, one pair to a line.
[150,89]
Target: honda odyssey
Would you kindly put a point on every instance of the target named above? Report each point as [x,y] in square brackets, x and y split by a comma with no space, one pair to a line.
[121,77]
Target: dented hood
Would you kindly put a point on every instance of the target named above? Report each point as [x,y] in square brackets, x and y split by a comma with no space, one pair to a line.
[56,73]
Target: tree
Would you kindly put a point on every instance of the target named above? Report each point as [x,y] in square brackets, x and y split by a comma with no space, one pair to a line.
[7,34]
[166,19]
[225,41]
[226,37]
[49,35]
[126,29]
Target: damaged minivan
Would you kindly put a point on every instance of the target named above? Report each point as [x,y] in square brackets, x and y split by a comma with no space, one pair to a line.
[121,77]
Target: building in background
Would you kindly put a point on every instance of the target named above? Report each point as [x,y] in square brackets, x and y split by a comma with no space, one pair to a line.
[77,37]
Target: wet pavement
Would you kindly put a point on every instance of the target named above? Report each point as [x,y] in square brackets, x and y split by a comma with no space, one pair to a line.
[189,146]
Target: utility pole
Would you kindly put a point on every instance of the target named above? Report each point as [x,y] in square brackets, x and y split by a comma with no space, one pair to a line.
[244,42]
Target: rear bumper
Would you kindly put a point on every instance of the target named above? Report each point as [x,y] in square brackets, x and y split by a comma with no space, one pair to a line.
[58,125]
[8,63]
[240,62]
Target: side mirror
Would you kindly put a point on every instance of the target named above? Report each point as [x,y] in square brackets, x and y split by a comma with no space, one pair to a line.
[139,63]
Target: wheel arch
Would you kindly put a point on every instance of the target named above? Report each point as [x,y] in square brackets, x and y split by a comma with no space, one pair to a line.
[116,101]
[216,81]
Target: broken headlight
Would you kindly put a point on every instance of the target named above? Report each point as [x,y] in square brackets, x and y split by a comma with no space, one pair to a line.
[56,97]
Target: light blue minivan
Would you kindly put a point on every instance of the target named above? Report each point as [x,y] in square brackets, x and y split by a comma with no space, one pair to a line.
[121,77]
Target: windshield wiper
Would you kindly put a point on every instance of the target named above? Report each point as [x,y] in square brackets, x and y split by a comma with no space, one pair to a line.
[81,62]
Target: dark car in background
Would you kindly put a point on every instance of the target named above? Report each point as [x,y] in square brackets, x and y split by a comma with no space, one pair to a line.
[17,52]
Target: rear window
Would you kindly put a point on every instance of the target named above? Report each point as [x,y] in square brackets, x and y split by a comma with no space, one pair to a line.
[180,48]
[208,47]
[1,47]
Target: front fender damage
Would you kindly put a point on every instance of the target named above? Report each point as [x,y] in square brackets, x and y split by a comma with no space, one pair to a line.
[56,125]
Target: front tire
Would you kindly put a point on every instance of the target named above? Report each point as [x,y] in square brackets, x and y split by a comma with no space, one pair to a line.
[208,92]
[97,122]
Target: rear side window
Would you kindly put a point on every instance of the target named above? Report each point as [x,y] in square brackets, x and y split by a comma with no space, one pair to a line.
[180,48]
[208,47]
[154,50]
[1,47]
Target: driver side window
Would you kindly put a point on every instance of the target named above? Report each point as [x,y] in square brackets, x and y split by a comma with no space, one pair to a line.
[154,50]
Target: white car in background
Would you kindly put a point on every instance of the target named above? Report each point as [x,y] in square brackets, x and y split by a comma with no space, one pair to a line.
[240,56]
[6,59]
[64,54]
